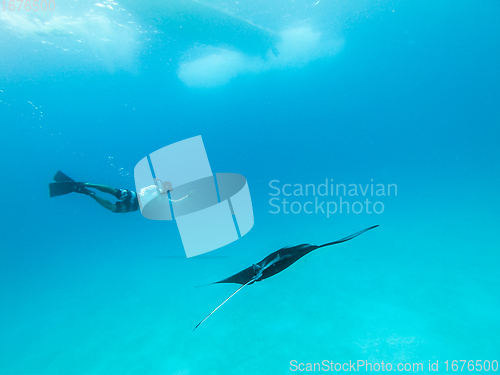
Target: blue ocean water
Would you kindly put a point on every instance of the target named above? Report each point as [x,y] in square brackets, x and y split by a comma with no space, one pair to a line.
[353,92]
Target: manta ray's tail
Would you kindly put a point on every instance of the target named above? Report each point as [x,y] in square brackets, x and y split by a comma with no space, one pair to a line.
[227,299]
[348,237]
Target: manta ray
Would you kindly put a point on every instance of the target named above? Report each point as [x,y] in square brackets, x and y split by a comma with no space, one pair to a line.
[273,264]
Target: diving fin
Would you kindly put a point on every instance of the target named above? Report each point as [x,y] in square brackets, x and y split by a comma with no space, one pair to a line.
[62,177]
[65,185]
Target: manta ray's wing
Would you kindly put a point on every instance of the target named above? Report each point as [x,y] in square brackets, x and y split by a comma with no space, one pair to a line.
[241,277]
[348,237]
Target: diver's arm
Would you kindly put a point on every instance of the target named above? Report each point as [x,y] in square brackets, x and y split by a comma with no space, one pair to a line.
[103,188]
[178,200]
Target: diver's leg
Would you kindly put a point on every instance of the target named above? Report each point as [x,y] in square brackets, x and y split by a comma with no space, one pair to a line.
[103,202]
[104,188]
